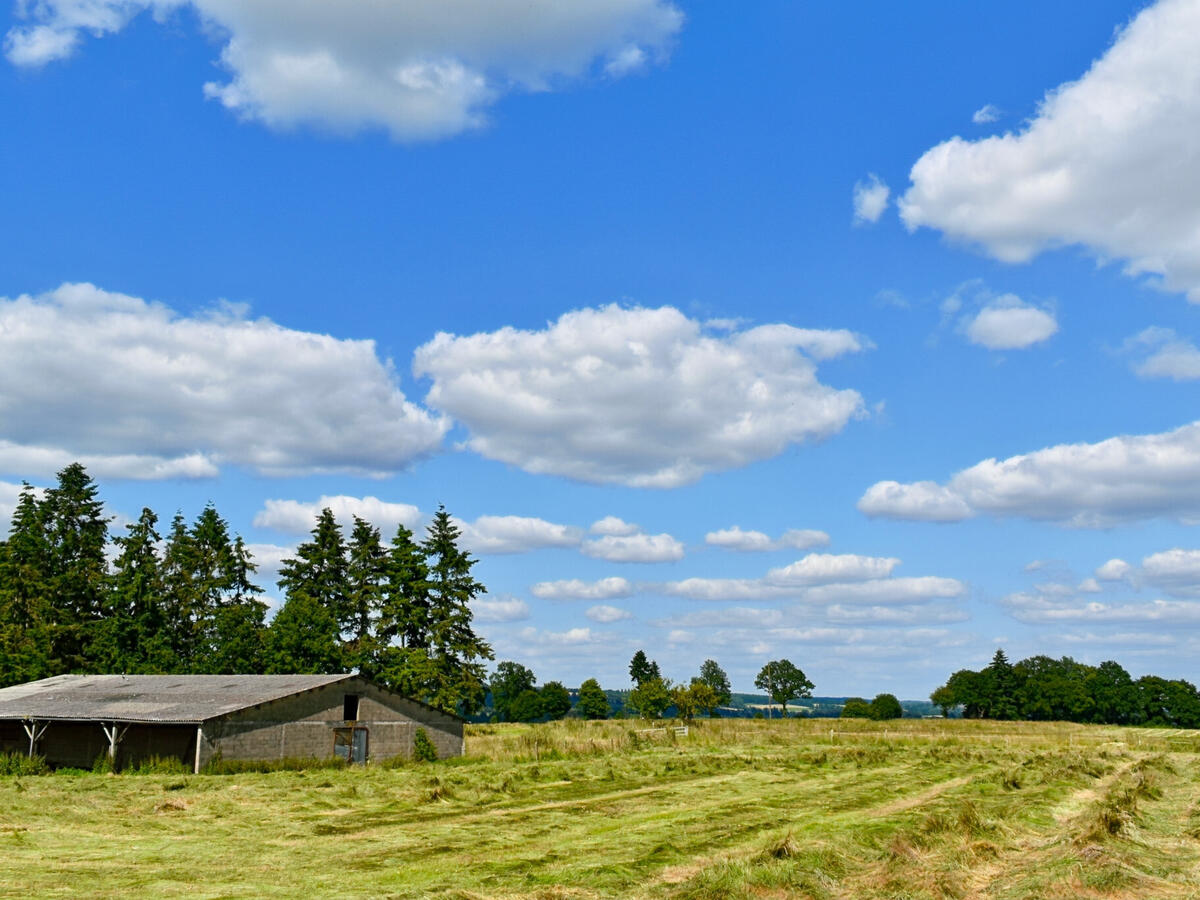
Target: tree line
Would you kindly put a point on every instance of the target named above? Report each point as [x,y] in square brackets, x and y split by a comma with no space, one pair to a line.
[185,602]
[1045,689]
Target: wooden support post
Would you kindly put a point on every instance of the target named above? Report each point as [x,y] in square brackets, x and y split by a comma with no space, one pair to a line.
[114,734]
[199,743]
[35,733]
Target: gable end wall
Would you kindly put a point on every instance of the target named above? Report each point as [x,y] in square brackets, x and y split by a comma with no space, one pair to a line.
[302,725]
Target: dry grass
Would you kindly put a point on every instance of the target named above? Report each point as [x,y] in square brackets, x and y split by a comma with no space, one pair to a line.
[737,808]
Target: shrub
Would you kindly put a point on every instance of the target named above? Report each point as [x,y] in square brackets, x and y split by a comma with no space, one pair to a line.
[886,706]
[856,708]
[20,764]
[423,748]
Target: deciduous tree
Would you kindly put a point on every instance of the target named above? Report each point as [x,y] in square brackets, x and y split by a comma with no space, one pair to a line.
[783,682]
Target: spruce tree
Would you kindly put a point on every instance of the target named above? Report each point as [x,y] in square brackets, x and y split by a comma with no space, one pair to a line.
[132,637]
[25,609]
[181,603]
[314,582]
[238,623]
[366,584]
[76,534]
[456,652]
[302,639]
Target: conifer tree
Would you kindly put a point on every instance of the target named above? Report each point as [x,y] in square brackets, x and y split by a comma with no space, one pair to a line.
[76,533]
[302,638]
[132,637]
[366,584]
[25,611]
[181,605]
[456,652]
[404,618]
[314,582]
[238,630]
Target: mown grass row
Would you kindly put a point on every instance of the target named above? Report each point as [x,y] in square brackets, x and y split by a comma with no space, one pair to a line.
[735,809]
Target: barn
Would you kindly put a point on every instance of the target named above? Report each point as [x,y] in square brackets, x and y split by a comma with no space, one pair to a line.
[71,720]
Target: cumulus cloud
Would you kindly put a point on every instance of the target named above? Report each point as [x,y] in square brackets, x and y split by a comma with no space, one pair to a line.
[818,568]
[418,68]
[484,535]
[639,397]
[1110,163]
[756,541]
[1048,609]
[503,609]
[515,534]
[1121,479]
[636,548]
[133,390]
[9,494]
[614,526]
[1113,570]
[1009,324]
[985,115]
[571,637]
[822,580]
[297,517]
[606,615]
[575,589]
[870,200]
[1175,572]
[925,501]
[1164,354]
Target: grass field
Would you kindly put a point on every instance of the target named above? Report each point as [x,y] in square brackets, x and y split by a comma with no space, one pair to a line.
[738,808]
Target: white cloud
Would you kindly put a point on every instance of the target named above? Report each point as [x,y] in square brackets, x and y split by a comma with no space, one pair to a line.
[505,609]
[1121,479]
[640,397]
[1166,355]
[1176,572]
[418,68]
[515,534]
[614,526]
[733,616]
[756,541]
[1089,586]
[926,501]
[570,637]
[9,494]
[606,615]
[133,390]
[1113,570]
[985,115]
[887,590]
[574,589]
[1008,324]
[1041,609]
[636,548]
[1111,162]
[296,517]
[870,200]
[821,568]
[823,580]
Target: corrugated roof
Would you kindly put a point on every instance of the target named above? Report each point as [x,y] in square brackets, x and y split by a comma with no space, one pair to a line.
[184,699]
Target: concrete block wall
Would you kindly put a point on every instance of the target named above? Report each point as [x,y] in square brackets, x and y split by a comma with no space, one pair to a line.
[302,725]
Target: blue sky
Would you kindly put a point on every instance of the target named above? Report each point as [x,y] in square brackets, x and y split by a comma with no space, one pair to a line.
[705,320]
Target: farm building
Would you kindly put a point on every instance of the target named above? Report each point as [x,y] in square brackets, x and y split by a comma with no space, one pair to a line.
[73,719]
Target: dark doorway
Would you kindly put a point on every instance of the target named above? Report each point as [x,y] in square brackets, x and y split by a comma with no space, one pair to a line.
[350,744]
[350,708]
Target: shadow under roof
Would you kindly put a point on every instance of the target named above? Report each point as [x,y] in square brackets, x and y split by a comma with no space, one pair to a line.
[177,699]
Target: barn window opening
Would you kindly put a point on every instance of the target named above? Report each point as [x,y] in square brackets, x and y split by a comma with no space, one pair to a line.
[350,708]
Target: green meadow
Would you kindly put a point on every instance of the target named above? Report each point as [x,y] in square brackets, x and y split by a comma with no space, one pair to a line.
[736,808]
